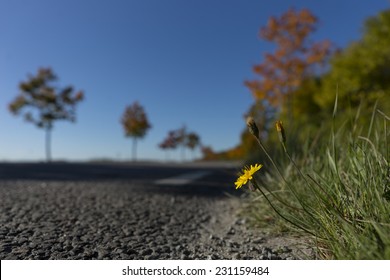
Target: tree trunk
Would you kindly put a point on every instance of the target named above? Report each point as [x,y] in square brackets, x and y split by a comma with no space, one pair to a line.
[166,155]
[183,155]
[134,156]
[193,154]
[48,144]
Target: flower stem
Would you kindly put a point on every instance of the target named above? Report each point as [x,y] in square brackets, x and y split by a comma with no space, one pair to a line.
[279,213]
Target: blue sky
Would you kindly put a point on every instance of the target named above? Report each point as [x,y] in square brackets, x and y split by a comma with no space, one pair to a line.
[184,61]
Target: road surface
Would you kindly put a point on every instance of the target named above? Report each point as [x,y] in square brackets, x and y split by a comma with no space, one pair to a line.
[127,211]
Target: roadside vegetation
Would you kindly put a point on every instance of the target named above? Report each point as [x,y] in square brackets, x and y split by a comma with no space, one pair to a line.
[325,165]
[337,191]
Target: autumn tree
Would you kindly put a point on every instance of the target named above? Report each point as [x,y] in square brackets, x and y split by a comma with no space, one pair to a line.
[185,139]
[180,138]
[169,143]
[135,124]
[192,142]
[208,153]
[294,59]
[43,103]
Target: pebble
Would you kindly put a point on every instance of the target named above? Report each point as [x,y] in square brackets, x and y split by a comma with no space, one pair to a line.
[146,252]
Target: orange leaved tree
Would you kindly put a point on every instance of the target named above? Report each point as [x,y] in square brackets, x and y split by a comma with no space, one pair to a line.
[192,142]
[46,102]
[169,143]
[135,124]
[294,59]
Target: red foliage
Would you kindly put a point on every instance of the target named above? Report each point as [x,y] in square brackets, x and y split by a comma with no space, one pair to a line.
[293,60]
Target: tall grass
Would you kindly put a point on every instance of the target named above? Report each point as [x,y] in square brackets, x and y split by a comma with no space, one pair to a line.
[336,191]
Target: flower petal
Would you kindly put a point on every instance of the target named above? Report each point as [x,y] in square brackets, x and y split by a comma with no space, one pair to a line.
[247,175]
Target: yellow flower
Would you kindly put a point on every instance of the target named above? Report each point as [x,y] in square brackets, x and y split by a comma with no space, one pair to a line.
[247,174]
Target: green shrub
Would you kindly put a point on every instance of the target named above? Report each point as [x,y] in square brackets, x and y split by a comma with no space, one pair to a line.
[337,191]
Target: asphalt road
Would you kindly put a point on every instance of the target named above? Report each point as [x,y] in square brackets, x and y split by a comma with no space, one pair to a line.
[126,211]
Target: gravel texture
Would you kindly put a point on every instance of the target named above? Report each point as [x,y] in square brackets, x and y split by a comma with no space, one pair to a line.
[123,220]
